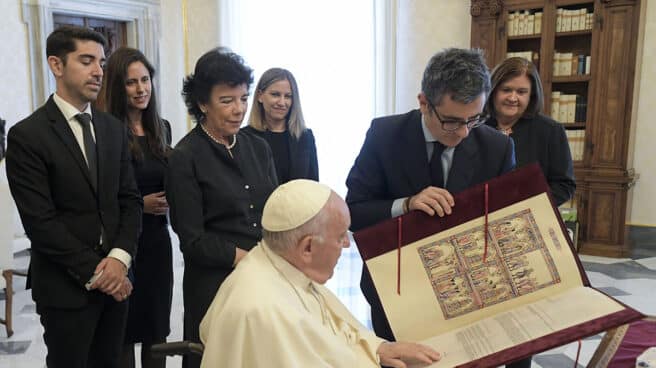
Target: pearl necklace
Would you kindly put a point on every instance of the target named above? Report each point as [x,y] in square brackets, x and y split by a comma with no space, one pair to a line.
[228,147]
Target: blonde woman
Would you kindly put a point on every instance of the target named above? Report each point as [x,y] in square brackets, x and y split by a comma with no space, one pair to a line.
[278,118]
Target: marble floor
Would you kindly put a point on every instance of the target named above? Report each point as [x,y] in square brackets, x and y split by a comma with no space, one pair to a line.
[631,281]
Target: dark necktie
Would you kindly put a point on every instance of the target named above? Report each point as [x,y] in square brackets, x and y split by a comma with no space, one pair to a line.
[89,147]
[437,176]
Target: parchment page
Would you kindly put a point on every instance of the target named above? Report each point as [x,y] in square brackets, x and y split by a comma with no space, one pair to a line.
[445,285]
[522,324]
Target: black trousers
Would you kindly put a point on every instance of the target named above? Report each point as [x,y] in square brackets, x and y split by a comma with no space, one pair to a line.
[87,337]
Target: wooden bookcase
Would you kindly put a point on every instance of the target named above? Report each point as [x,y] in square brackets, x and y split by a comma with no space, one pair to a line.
[601,171]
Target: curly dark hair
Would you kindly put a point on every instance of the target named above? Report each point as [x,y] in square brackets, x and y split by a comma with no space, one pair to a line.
[217,66]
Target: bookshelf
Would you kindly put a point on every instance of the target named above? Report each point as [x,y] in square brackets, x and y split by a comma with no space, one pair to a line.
[585,51]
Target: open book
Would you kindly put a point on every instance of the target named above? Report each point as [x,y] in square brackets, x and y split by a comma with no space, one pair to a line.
[484,303]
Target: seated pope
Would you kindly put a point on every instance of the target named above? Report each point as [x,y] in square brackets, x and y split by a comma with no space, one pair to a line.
[274,310]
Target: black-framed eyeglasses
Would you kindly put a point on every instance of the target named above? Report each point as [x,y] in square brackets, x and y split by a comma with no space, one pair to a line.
[451,125]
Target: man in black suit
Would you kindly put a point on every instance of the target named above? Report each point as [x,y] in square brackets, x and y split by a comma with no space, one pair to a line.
[70,174]
[416,160]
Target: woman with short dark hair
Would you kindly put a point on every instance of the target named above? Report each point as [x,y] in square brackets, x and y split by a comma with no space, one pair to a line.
[515,106]
[218,181]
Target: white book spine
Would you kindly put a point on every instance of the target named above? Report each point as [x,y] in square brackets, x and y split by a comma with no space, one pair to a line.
[559,20]
[566,64]
[571,108]
[537,27]
[556,64]
[562,110]
[530,24]
[583,18]
[575,20]
[567,21]
[515,25]
[555,104]
[587,64]
[509,22]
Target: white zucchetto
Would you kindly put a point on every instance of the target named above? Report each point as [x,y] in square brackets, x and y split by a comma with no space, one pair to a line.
[293,204]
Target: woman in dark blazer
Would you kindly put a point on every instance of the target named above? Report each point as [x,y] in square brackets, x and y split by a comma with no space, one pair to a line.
[129,95]
[217,183]
[278,118]
[515,106]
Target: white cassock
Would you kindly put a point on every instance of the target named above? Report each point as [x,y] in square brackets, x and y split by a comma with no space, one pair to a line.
[269,314]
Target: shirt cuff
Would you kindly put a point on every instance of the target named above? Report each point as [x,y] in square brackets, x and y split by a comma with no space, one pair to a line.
[397,207]
[122,256]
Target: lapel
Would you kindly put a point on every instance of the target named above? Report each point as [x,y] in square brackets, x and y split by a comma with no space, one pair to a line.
[415,159]
[462,167]
[65,134]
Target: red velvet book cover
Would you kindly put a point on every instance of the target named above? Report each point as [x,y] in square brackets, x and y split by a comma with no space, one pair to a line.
[495,281]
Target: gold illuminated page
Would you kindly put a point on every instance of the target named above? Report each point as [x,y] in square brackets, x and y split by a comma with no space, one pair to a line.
[528,286]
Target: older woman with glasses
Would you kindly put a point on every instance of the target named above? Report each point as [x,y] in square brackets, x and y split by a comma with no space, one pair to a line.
[278,118]
[217,183]
[515,106]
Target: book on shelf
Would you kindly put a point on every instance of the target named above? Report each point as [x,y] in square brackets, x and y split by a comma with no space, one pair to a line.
[555,104]
[537,26]
[568,64]
[576,140]
[571,109]
[567,21]
[580,64]
[521,26]
[589,20]
[530,24]
[575,20]
[495,281]
[581,111]
[515,25]
[531,56]
[562,111]
[509,24]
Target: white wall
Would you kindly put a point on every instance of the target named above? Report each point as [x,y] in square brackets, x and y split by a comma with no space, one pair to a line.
[424,28]
[15,93]
[172,68]
[644,150]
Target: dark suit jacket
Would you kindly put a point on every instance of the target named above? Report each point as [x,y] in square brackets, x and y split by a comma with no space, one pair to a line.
[543,140]
[303,163]
[393,163]
[216,206]
[61,212]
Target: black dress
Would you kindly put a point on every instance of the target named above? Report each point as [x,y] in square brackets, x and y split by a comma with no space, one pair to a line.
[152,268]
[216,202]
[294,158]
[541,139]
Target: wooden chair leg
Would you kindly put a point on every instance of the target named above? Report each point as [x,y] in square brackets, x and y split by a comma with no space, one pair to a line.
[9,291]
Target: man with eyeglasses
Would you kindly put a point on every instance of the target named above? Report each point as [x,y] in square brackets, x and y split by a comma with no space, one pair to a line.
[417,160]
